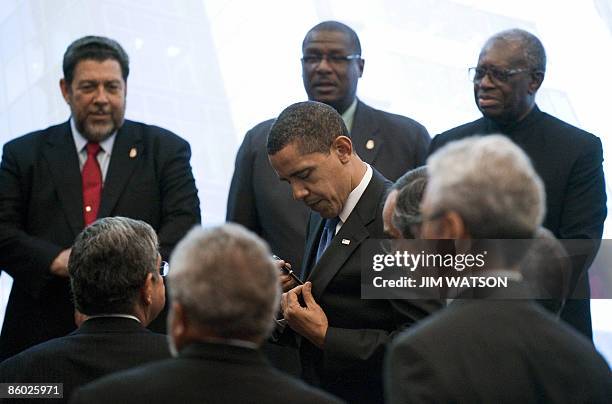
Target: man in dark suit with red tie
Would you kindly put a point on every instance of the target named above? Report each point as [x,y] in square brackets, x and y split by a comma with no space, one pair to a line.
[342,337]
[55,181]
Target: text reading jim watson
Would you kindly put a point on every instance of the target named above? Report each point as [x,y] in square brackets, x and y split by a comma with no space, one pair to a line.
[450,264]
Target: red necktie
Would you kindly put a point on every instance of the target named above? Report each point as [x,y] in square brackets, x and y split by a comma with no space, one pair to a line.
[92,184]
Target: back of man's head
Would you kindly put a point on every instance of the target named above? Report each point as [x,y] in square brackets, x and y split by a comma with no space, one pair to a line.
[410,188]
[96,48]
[312,124]
[490,183]
[226,283]
[546,267]
[109,264]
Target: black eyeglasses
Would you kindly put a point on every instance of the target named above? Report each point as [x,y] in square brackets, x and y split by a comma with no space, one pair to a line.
[164,268]
[476,74]
[335,60]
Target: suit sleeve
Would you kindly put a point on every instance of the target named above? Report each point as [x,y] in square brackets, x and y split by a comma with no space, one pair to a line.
[421,146]
[26,258]
[368,345]
[180,203]
[241,207]
[408,377]
[584,205]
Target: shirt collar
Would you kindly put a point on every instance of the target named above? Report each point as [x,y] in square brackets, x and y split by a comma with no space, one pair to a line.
[508,129]
[80,141]
[355,194]
[114,315]
[349,115]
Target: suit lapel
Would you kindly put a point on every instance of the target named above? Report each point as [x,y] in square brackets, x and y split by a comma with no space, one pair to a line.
[60,153]
[315,228]
[364,133]
[128,150]
[349,238]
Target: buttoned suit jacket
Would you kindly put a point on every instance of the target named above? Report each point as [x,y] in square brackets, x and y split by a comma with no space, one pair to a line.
[350,364]
[494,351]
[203,373]
[41,212]
[99,347]
[393,144]
[569,161]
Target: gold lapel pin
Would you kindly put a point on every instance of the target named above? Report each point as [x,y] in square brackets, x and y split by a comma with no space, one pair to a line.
[370,144]
[133,152]
[346,241]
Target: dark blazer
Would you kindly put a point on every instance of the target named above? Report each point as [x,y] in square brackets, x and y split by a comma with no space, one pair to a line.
[260,202]
[486,351]
[569,161]
[203,373]
[41,213]
[350,364]
[99,347]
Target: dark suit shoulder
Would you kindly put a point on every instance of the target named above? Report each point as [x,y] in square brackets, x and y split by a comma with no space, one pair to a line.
[457,133]
[559,130]
[36,137]
[256,138]
[192,380]
[400,121]
[151,131]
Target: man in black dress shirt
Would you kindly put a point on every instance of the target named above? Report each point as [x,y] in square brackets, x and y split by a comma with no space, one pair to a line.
[510,70]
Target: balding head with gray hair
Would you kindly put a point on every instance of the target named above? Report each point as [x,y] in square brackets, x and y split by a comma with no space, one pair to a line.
[225,280]
[490,183]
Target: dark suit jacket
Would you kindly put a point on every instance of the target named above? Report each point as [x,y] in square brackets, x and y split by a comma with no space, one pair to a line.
[99,347]
[569,161]
[350,363]
[203,373]
[41,212]
[260,202]
[486,351]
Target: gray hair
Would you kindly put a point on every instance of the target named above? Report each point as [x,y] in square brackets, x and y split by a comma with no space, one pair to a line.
[225,279]
[490,182]
[410,188]
[109,263]
[312,124]
[97,48]
[533,50]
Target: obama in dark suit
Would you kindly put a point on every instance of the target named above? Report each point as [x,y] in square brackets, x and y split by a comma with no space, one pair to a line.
[342,337]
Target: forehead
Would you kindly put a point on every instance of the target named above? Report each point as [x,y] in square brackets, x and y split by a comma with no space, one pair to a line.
[328,41]
[289,161]
[90,69]
[502,53]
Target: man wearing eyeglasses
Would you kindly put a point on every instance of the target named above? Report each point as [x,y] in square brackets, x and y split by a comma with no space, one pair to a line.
[116,275]
[332,64]
[510,71]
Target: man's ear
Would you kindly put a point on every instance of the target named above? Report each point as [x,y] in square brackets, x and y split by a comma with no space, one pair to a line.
[536,81]
[361,65]
[66,91]
[343,147]
[454,226]
[177,325]
[147,290]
